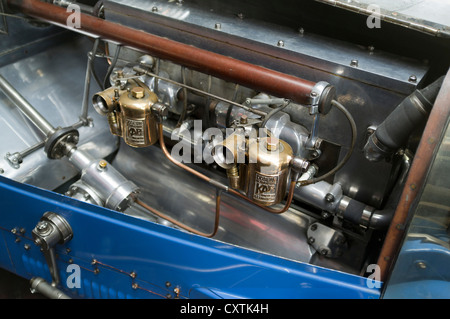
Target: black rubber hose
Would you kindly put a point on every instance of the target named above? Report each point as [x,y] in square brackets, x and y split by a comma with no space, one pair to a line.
[393,133]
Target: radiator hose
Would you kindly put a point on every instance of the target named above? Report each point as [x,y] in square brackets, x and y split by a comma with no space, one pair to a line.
[393,133]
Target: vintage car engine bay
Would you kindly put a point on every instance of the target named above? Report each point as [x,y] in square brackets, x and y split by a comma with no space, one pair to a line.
[193,149]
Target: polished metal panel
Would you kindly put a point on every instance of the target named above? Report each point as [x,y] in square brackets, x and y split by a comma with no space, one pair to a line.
[38,78]
[24,39]
[431,16]
[195,23]
[180,195]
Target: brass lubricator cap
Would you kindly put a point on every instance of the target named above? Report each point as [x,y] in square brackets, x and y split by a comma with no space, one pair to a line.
[272,143]
[138,92]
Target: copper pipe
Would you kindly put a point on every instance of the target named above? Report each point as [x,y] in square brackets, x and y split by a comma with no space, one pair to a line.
[224,67]
[232,191]
[184,226]
[423,158]
[179,164]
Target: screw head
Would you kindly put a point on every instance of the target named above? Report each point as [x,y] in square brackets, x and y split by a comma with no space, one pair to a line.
[313,227]
[280,43]
[412,78]
[421,265]
[155,9]
[102,164]
[217,26]
[42,226]
[354,63]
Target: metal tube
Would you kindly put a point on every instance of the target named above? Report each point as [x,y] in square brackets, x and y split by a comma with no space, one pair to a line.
[224,67]
[87,83]
[40,285]
[30,112]
[179,224]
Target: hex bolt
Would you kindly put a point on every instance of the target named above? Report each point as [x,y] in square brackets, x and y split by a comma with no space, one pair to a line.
[272,144]
[244,119]
[138,92]
[96,271]
[329,198]
[133,274]
[324,252]
[325,214]
[280,43]
[354,63]
[217,26]
[14,230]
[412,78]
[135,286]
[155,9]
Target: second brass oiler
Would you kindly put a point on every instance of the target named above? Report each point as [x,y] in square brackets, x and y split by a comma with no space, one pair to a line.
[259,167]
[129,114]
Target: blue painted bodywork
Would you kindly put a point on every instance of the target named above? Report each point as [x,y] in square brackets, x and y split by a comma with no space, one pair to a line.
[158,255]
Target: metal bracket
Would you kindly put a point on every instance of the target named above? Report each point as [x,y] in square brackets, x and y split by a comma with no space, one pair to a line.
[52,229]
[325,240]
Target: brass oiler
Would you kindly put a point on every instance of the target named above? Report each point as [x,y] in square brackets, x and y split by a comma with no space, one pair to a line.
[137,121]
[267,171]
[263,170]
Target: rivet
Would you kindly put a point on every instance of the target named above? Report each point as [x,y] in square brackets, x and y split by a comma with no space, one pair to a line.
[354,63]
